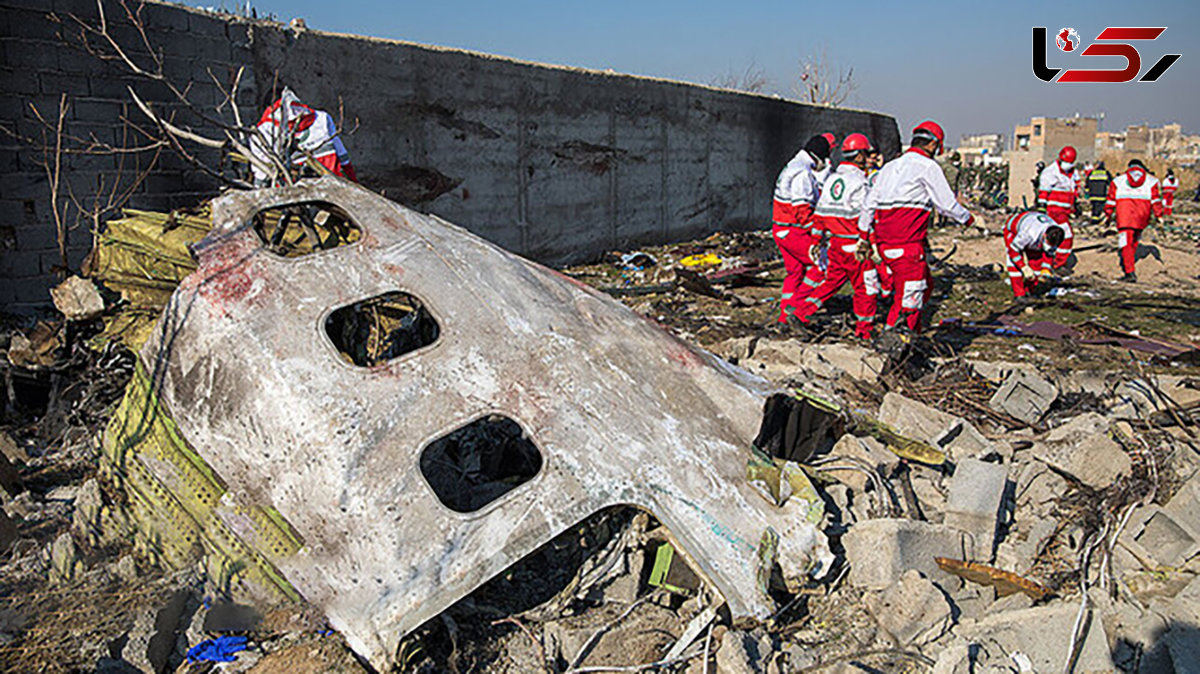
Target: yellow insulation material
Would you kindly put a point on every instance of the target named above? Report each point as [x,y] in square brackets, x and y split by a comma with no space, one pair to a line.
[143,257]
[182,506]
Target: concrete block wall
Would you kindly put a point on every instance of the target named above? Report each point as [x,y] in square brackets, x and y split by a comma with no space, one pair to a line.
[558,164]
[42,58]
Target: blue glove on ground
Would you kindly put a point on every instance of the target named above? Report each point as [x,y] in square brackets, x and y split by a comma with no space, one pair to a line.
[221,649]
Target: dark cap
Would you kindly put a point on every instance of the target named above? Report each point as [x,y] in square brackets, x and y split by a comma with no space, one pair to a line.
[818,146]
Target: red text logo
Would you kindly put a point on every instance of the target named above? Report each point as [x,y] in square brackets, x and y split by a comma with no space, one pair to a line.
[1110,42]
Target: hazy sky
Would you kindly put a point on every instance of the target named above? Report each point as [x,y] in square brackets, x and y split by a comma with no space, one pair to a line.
[964,64]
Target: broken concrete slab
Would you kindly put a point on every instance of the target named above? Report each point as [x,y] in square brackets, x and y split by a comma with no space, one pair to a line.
[78,299]
[1024,395]
[997,371]
[880,551]
[1170,534]
[912,611]
[864,453]
[1037,490]
[955,436]
[1083,449]
[913,418]
[1184,506]
[356,527]
[962,440]
[976,492]
[743,653]
[1041,635]
[830,360]
[11,450]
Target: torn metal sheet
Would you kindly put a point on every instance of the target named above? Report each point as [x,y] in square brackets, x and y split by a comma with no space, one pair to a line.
[1107,336]
[291,438]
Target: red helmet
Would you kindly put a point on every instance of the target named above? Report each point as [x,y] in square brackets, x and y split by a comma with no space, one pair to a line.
[854,143]
[930,130]
[832,140]
[1067,155]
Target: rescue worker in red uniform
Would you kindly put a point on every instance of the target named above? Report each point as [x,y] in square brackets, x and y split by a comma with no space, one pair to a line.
[875,162]
[1169,186]
[1030,237]
[836,217]
[796,193]
[1132,197]
[898,209]
[1057,190]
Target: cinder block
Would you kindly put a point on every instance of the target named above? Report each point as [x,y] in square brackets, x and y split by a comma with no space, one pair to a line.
[99,110]
[32,291]
[976,491]
[30,24]
[1024,395]
[163,17]
[37,237]
[32,55]
[881,550]
[19,81]
[17,264]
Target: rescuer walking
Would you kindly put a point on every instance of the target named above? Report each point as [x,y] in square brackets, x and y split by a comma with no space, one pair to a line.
[1132,197]
[898,209]
[1097,191]
[1057,190]
[796,193]
[836,216]
[1170,185]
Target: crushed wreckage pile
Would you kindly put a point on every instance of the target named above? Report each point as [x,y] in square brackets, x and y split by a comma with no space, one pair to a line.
[561,488]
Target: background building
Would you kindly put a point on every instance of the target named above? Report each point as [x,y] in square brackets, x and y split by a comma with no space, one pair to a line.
[1040,140]
[981,149]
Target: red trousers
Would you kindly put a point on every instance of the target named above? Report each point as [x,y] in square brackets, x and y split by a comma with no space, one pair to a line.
[1127,241]
[1016,277]
[1168,202]
[797,245]
[912,284]
[863,277]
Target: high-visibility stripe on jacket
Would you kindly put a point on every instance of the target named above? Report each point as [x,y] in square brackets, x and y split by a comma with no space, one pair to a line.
[1169,185]
[841,202]
[1132,197]
[1097,184]
[1024,231]
[796,192]
[1056,191]
[903,197]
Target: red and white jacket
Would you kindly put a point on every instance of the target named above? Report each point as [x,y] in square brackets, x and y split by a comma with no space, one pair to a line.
[313,133]
[903,197]
[841,203]
[1169,185]
[1024,231]
[796,192]
[1132,197]
[1056,191]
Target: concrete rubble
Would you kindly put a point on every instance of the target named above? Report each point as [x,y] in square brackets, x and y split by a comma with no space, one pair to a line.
[1025,395]
[976,493]
[1084,450]
[703,493]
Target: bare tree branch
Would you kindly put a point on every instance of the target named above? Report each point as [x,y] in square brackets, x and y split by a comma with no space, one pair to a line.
[820,82]
[751,80]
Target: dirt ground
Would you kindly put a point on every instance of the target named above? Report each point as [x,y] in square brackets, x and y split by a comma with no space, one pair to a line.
[79,608]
